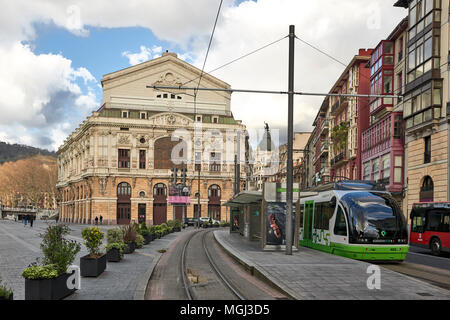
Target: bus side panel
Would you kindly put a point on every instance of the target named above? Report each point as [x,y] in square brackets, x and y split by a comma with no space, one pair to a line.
[418,239]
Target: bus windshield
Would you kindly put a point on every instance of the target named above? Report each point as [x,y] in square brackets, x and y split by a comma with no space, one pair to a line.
[374,218]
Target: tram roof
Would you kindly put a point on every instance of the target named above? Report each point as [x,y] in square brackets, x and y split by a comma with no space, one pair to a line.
[348,185]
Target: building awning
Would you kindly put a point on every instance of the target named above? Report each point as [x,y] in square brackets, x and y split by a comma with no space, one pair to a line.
[244,197]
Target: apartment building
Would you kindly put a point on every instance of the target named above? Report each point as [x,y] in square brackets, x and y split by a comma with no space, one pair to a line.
[383,141]
[425,105]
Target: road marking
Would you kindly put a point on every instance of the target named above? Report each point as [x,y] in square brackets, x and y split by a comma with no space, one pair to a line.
[428,255]
[24,243]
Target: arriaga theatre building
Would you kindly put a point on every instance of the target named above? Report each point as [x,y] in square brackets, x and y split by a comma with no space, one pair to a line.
[119,162]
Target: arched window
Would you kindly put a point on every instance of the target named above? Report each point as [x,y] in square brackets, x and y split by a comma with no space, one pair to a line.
[214,191]
[160,190]
[427,189]
[124,189]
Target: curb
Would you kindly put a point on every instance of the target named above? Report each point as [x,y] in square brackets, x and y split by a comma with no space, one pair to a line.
[254,269]
[139,292]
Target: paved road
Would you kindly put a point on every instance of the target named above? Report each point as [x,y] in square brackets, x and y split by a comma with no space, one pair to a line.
[127,280]
[421,264]
[311,274]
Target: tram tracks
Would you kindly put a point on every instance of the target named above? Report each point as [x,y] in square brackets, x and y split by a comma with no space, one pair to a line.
[191,280]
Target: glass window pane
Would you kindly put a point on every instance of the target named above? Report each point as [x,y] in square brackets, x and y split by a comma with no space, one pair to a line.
[398,175]
[437,97]
[388,48]
[428,47]
[426,99]
[428,5]
[437,113]
[427,66]
[412,17]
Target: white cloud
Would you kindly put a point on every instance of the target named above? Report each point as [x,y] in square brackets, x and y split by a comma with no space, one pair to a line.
[40,90]
[144,55]
[338,27]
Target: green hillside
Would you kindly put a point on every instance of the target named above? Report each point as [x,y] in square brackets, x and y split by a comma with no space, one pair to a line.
[14,152]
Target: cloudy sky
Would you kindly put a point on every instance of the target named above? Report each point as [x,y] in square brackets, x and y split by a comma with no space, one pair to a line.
[53,54]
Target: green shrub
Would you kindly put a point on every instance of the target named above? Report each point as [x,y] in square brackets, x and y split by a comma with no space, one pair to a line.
[129,233]
[139,241]
[178,224]
[4,291]
[57,250]
[144,231]
[116,245]
[36,272]
[114,235]
[93,240]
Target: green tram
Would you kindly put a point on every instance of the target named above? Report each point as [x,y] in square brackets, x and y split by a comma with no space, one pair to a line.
[354,219]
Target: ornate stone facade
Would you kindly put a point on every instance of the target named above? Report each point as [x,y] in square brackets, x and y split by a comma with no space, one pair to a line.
[107,166]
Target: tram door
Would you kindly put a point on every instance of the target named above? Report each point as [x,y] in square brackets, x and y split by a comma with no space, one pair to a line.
[309,209]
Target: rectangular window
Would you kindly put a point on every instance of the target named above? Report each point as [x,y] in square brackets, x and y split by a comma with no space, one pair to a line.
[376,169]
[427,153]
[124,114]
[124,158]
[141,159]
[143,115]
[386,162]
[214,164]
[398,169]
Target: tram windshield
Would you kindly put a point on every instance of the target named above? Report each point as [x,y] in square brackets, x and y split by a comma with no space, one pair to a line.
[374,218]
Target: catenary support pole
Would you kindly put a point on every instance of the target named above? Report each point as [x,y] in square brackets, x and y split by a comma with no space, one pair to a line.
[289,165]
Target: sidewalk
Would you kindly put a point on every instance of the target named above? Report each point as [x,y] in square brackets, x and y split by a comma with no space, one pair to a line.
[310,274]
[124,280]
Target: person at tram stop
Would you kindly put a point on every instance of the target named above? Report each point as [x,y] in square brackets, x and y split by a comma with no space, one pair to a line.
[101,219]
[96,220]
[24,218]
[31,221]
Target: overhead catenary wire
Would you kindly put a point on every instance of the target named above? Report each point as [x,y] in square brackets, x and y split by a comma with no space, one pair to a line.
[240,58]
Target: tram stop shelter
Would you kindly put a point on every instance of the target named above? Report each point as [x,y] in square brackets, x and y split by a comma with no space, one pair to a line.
[261,216]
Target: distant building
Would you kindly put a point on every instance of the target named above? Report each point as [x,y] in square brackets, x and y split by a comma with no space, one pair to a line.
[298,155]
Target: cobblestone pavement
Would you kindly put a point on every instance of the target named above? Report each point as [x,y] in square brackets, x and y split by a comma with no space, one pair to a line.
[127,279]
[310,274]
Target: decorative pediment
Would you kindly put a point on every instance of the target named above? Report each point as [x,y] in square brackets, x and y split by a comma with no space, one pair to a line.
[168,79]
[170,119]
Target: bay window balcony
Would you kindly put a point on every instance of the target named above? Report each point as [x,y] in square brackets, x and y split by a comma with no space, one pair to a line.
[423,105]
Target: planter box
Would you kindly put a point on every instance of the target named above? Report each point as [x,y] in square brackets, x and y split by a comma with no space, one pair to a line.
[113,255]
[131,246]
[48,289]
[11,297]
[148,238]
[92,267]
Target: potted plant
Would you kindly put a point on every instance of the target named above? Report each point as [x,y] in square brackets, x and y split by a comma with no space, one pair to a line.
[145,232]
[93,264]
[48,281]
[154,231]
[5,293]
[177,225]
[129,237]
[114,251]
[115,246]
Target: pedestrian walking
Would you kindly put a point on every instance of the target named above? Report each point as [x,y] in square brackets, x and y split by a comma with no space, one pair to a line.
[101,219]
[96,220]
[31,221]
[24,218]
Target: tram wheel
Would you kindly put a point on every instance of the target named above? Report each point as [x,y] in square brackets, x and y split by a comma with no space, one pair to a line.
[435,247]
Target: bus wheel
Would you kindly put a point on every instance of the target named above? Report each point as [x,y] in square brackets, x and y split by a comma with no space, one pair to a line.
[435,246]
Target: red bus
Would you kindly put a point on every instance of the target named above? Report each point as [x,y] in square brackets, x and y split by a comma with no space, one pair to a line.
[430,226]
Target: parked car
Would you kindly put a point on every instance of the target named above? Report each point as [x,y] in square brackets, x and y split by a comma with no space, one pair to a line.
[190,221]
[207,219]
